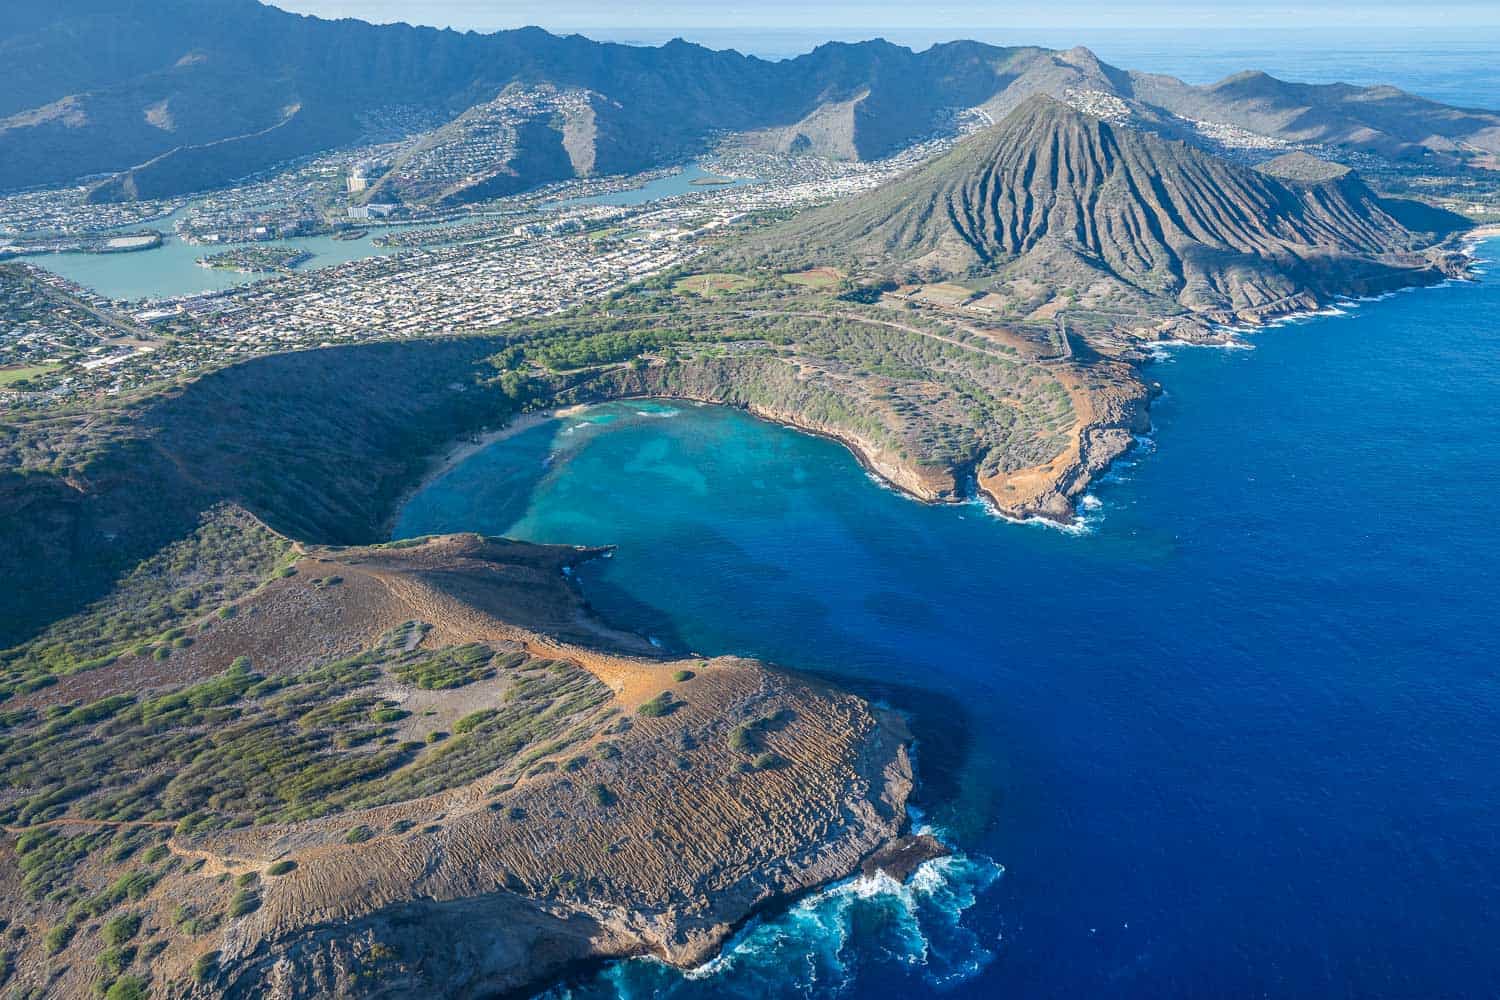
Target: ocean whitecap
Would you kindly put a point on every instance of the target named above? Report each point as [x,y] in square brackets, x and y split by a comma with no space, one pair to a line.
[868,927]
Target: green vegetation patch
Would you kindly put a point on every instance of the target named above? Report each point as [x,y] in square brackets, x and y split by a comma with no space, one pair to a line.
[121,929]
[127,988]
[113,961]
[450,668]
[205,966]
[712,283]
[243,902]
[242,748]
[815,277]
[57,938]
[620,331]
[769,761]
[662,705]
[14,378]
[749,737]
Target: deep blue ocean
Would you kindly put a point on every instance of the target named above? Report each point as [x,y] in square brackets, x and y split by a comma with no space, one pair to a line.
[1239,736]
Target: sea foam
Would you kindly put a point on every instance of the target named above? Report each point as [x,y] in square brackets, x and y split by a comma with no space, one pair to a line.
[870,928]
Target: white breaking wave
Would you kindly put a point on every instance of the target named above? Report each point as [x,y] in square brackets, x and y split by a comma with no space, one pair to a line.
[1359,299]
[1166,348]
[817,946]
[1078,526]
[825,943]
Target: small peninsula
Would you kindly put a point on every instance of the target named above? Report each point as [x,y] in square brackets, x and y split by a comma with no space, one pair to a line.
[256,259]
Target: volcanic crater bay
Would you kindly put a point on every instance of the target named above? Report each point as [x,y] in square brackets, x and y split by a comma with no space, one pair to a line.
[1232,737]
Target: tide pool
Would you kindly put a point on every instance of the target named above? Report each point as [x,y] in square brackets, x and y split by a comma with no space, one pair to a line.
[1240,737]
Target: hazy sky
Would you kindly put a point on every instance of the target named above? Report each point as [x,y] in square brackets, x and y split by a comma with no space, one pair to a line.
[895,17]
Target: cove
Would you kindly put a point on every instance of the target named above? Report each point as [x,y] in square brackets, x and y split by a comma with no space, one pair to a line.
[1240,736]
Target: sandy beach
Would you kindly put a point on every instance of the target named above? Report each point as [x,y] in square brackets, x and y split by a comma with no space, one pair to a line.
[463,450]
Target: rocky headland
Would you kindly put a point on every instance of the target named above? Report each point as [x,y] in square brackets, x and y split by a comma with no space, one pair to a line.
[480,789]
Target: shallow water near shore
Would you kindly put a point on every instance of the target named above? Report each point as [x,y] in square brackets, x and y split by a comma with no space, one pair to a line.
[1241,736]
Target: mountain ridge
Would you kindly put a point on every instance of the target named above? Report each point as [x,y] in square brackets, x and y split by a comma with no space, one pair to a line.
[173,78]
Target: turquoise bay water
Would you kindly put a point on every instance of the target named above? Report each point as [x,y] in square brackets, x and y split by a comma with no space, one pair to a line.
[1240,737]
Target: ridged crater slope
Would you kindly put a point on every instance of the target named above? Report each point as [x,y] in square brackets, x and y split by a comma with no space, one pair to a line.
[1067,198]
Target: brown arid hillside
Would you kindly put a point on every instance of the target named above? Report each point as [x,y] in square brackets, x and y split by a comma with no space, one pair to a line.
[409,769]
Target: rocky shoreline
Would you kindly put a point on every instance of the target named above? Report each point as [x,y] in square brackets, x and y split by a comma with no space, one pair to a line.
[1105,439]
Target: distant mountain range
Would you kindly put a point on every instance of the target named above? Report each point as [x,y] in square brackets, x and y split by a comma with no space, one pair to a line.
[1104,212]
[181,95]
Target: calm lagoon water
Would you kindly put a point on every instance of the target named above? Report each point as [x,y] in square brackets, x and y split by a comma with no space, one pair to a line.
[1239,737]
[172,269]
[681,182]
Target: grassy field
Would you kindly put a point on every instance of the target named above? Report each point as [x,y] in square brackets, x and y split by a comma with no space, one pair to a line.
[713,283]
[946,293]
[815,277]
[10,376]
